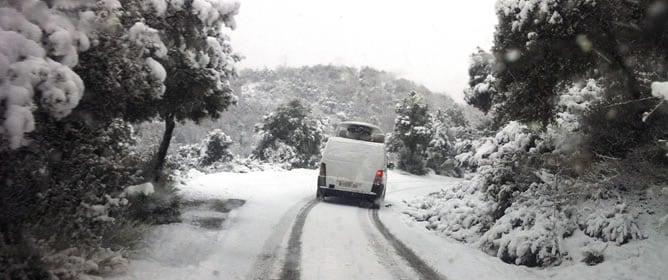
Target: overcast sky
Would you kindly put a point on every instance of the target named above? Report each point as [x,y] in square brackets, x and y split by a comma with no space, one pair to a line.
[427,41]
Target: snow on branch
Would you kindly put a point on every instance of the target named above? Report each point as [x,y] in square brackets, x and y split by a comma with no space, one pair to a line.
[39,45]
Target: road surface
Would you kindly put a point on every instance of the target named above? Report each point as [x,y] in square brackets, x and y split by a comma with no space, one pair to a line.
[282,232]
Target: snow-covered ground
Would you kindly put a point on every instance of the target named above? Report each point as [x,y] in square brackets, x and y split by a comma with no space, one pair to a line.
[339,239]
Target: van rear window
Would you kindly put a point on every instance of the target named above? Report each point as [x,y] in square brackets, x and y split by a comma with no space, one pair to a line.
[360,132]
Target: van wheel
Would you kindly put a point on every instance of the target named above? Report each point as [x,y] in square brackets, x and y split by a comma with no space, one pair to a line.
[320,195]
[375,204]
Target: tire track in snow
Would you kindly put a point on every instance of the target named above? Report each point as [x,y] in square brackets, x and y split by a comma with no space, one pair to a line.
[291,266]
[420,267]
[381,249]
[265,263]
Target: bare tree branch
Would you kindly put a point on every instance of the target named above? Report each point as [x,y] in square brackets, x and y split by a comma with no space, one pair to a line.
[630,101]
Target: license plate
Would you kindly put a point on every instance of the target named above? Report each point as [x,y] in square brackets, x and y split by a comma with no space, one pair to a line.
[348,184]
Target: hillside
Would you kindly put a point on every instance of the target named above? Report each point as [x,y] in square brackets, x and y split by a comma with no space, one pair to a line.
[334,94]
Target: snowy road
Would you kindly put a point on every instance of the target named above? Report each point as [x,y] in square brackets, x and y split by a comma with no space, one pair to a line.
[340,239]
[282,232]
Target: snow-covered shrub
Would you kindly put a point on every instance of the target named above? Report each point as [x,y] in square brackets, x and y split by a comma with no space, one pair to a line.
[441,151]
[290,136]
[66,190]
[186,157]
[212,152]
[217,148]
[22,260]
[593,255]
[281,154]
[531,230]
[153,205]
[611,223]
[438,152]
[75,263]
[460,212]
[503,165]
[412,161]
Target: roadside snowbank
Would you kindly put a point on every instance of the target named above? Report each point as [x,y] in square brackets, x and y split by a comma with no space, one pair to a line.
[187,251]
[458,213]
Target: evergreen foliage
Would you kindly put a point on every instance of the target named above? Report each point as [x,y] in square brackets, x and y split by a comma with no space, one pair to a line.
[412,133]
[73,74]
[542,47]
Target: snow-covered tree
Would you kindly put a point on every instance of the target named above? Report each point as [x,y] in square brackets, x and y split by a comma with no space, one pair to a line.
[481,90]
[40,43]
[541,46]
[439,148]
[186,48]
[412,134]
[123,78]
[290,135]
[67,181]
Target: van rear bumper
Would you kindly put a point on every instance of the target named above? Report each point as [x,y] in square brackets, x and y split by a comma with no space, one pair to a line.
[376,190]
[340,193]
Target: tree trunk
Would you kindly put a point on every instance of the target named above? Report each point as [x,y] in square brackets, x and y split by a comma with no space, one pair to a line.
[631,82]
[164,146]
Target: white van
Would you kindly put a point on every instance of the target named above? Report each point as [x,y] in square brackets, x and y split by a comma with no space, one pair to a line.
[354,163]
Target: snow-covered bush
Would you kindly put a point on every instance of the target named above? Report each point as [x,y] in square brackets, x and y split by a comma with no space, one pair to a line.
[521,203]
[502,164]
[290,136]
[460,212]
[441,150]
[412,161]
[281,154]
[208,155]
[74,263]
[532,229]
[151,204]
[593,255]
[67,189]
[217,148]
[186,157]
[609,222]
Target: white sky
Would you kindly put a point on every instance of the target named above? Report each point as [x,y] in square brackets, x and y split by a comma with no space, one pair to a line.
[427,41]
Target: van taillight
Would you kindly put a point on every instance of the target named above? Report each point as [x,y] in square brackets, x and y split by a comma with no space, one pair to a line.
[379,178]
[323,169]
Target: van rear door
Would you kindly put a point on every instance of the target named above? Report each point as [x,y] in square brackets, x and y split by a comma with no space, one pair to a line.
[352,164]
